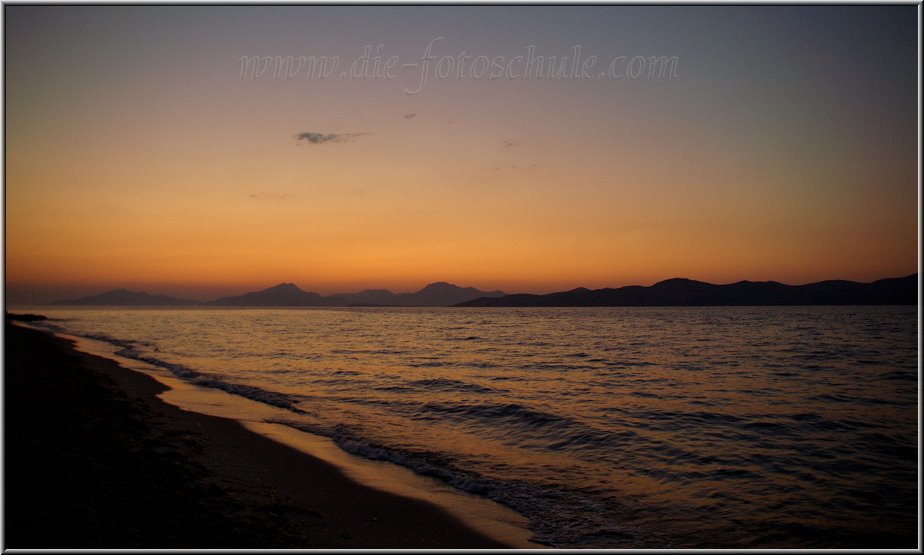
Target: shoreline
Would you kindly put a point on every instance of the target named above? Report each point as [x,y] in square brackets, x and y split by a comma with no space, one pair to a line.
[91,448]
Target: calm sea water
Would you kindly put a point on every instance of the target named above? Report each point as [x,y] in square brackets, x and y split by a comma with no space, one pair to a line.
[613,427]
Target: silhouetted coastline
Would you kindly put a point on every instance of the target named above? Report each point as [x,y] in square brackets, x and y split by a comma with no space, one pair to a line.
[686,292]
[290,295]
[671,292]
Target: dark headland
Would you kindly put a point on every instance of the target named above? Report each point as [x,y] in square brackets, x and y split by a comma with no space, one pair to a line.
[671,292]
[93,459]
[687,292]
[290,295]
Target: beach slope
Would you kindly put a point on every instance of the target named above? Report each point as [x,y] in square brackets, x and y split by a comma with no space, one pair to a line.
[94,459]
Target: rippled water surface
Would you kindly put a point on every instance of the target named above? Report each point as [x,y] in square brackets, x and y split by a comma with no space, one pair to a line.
[610,427]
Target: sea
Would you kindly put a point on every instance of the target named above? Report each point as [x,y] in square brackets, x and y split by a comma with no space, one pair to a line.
[711,427]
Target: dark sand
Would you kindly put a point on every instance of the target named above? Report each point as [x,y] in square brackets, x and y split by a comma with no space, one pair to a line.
[93,459]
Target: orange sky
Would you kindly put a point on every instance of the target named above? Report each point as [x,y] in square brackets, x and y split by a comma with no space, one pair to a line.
[137,157]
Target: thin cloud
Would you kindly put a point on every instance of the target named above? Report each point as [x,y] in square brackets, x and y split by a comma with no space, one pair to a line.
[315,138]
[269,195]
[410,116]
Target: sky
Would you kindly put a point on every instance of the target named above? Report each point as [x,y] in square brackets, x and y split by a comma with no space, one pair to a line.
[717,143]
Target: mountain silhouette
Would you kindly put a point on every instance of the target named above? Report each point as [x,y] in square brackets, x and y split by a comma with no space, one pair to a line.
[442,294]
[368,297]
[687,292]
[288,294]
[124,297]
[671,292]
[284,294]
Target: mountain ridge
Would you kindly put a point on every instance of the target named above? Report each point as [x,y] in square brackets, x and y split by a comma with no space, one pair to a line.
[287,294]
[688,292]
[124,297]
[668,292]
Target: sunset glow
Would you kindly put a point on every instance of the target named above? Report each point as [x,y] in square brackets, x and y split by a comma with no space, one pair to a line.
[140,154]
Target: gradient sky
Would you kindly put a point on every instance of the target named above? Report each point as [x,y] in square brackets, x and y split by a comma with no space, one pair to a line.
[785,148]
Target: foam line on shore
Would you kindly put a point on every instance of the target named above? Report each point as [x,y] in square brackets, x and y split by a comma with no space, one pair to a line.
[483,515]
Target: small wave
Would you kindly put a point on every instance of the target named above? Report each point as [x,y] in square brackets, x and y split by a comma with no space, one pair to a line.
[910,375]
[767,426]
[47,325]
[369,352]
[128,349]
[494,412]
[529,428]
[128,346]
[558,516]
[477,364]
[627,363]
[843,398]
[556,366]
[427,364]
[446,384]
[680,418]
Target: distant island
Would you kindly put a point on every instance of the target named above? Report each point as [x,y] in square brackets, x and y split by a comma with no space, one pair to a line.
[671,292]
[124,297]
[290,295]
[687,292]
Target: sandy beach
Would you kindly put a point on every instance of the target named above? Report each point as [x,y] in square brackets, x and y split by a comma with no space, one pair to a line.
[94,459]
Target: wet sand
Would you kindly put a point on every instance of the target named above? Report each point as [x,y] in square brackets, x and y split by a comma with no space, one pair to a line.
[94,459]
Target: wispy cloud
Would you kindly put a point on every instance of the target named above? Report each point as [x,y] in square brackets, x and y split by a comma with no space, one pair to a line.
[315,138]
[269,195]
[410,116]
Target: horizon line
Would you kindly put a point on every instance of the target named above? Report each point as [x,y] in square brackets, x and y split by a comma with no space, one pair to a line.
[489,290]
